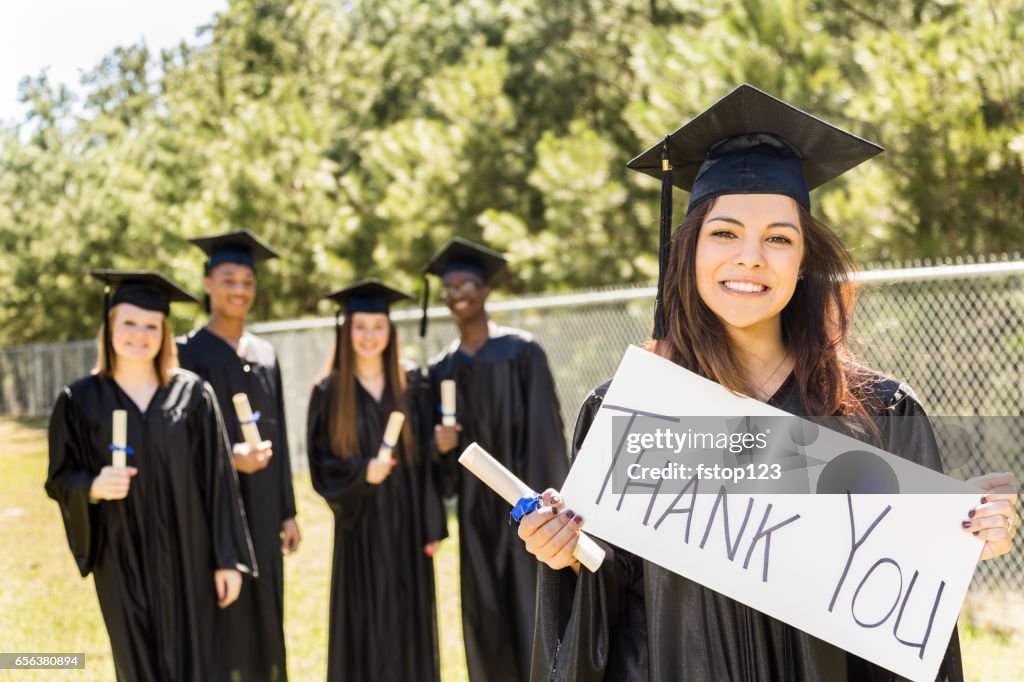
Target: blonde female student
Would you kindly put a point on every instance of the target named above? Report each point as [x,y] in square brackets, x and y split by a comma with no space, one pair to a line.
[753,295]
[164,537]
[388,516]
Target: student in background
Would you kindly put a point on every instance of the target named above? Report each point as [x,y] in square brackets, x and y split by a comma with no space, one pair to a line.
[250,634]
[165,537]
[388,516]
[506,402]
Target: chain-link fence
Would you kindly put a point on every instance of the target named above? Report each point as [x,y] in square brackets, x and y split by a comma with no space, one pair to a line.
[955,332]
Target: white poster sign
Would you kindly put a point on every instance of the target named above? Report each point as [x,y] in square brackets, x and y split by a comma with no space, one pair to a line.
[880,575]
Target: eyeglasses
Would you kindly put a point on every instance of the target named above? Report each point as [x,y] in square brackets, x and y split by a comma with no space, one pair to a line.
[469,286]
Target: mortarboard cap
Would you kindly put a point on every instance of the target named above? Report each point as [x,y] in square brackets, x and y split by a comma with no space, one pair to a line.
[365,296]
[748,142]
[242,247]
[144,288]
[460,255]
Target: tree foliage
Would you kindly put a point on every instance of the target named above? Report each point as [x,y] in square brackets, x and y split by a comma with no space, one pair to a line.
[358,136]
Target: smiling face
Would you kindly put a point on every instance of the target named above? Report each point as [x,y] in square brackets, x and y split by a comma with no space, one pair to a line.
[231,288]
[370,334]
[748,257]
[465,294]
[136,333]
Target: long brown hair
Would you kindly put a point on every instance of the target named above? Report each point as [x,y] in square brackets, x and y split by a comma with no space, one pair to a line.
[816,322]
[165,362]
[344,427]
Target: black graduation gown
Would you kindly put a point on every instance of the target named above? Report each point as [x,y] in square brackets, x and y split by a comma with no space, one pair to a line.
[250,632]
[634,620]
[383,617]
[153,554]
[506,402]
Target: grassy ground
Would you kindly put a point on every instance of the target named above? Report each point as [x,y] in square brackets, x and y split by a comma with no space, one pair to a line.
[46,607]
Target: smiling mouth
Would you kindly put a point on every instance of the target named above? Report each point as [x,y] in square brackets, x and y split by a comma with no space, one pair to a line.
[743,287]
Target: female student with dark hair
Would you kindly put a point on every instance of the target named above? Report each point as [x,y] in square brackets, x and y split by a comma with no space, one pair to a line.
[388,514]
[165,537]
[754,295]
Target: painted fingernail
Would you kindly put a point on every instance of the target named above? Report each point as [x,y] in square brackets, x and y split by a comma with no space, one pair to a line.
[984,500]
[579,520]
[554,511]
[976,532]
[966,524]
[556,500]
[569,514]
[970,514]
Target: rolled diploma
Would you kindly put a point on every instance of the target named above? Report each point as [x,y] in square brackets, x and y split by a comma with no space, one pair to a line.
[448,402]
[391,431]
[504,482]
[119,439]
[244,412]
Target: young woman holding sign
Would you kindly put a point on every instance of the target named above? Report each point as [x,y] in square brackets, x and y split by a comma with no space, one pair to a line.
[371,458]
[164,538]
[753,294]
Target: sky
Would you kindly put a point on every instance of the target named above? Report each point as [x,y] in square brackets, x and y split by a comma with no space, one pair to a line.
[71,36]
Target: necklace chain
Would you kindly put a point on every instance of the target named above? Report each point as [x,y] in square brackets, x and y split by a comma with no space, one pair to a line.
[785,356]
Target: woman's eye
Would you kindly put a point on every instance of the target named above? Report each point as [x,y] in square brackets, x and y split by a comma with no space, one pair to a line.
[779,239]
[725,234]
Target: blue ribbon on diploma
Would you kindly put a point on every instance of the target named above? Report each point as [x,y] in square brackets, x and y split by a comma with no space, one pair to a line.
[255,418]
[525,505]
[440,410]
[127,449]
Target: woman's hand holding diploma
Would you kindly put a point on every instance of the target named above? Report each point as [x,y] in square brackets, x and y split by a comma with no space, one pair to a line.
[377,470]
[112,483]
[551,533]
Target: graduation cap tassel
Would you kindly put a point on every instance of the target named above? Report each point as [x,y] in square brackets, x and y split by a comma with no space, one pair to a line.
[337,340]
[106,330]
[660,326]
[426,302]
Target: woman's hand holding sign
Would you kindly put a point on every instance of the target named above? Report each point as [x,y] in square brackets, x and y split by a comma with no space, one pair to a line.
[995,519]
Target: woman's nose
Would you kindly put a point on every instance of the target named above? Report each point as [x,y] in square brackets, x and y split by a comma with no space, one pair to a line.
[749,253]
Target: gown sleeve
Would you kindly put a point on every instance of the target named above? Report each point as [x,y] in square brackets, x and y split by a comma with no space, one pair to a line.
[341,481]
[543,460]
[281,450]
[232,546]
[590,626]
[420,403]
[68,480]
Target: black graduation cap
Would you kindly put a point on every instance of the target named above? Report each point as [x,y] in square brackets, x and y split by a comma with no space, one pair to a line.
[460,254]
[144,288]
[365,296]
[748,142]
[242,247]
